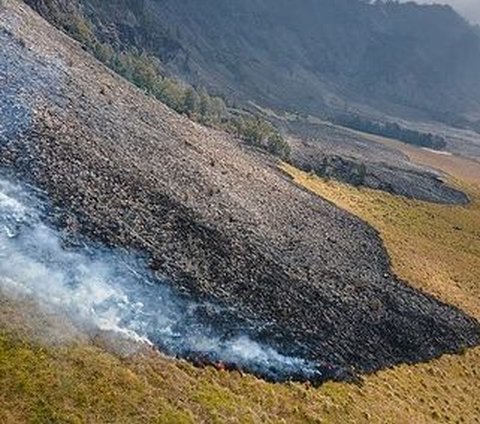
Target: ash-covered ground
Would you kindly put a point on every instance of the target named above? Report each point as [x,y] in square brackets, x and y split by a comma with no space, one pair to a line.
[220,223]
[111,292]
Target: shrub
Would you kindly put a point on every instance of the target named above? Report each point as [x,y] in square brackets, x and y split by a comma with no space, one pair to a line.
[392,130]
[278,146]
[260,133]
[145,72]
[191,102]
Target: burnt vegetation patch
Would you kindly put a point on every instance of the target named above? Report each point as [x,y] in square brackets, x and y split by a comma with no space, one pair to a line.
[316,280]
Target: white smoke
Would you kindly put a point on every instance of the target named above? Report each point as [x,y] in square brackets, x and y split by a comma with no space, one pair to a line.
[113,291]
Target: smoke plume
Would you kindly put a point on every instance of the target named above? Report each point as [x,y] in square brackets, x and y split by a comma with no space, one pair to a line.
[111,290]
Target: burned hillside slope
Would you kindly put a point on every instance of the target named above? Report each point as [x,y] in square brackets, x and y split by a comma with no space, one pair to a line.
[359,168]
[218,221]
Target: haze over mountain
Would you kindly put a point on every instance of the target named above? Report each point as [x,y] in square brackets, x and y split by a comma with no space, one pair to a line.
[470,9]
[327,56]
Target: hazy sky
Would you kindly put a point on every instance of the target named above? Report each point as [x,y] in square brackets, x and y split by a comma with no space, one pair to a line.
[470,9]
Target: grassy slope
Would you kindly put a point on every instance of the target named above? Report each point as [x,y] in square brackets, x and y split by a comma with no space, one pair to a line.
[84,383]
[434,247]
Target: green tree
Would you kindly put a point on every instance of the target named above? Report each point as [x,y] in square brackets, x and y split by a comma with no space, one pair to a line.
[255,131]
[144,72]
[360,175]
[218,109]
[191,102]
[204,106]
[171,93]
[277,145]
[103,52]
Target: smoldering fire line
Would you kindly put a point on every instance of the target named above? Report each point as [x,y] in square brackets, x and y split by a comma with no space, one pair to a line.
[111,290]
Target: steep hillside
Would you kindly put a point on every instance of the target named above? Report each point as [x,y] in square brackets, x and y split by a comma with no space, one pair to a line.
[416,61]
[215,219]
[116,212]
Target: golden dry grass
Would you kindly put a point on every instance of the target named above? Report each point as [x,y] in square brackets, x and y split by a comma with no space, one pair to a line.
[437,249]
[434,247]
[84,384]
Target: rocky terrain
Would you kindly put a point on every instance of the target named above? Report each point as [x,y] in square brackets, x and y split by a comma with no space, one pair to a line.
[216,219]
[344,155]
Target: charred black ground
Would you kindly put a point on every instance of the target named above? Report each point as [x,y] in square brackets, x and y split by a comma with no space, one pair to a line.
[109,293]
[219,221]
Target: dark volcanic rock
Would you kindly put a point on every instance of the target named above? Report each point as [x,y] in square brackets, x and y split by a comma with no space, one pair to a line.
[219,221]
[338,153]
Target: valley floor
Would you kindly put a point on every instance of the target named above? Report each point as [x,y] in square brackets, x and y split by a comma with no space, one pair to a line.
[437,248]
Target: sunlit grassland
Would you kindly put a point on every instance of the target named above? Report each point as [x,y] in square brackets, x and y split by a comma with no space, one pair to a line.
[434,247]
[83,383]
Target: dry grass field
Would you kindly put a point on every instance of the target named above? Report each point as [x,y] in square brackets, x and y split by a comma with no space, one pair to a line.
[81,383]
[436,248]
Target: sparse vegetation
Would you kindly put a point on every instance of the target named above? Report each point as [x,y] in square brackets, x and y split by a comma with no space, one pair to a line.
[392,130]
[145,72]
[261,133]
[197,104]
[341,169]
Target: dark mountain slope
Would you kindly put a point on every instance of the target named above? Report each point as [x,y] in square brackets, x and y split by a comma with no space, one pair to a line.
[399,58]
[217,220]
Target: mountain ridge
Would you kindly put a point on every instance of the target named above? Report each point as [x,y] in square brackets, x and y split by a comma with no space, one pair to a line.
[328,56]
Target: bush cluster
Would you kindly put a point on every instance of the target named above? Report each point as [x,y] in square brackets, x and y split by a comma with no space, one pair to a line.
[197,104]
[261,133]
[145,72]
[392,130]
